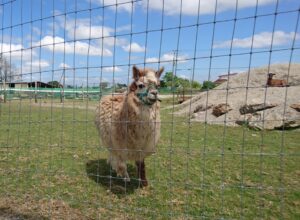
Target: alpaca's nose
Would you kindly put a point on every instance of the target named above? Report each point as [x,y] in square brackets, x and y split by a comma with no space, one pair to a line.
[154,92]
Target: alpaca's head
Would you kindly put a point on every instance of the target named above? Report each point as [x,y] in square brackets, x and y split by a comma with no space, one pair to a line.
[270,75]
[145,84]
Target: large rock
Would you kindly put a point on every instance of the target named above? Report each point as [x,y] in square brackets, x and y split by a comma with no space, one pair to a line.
[296,107]
[201,108]
[253,121]
[221,109]
[275,118]
[255,107]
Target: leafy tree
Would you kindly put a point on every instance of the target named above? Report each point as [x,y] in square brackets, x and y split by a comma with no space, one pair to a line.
[163,84]
[208,85]
[169,80]
[182,83]
[55,84]
[196,85]
[121,85]
[103,85]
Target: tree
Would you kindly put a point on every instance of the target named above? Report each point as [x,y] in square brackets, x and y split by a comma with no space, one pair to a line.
[170,80]
[182,83]
[163,84]
[55,84]
[208,85]
[196,85]
[7,71]
[103,85]
[121,85]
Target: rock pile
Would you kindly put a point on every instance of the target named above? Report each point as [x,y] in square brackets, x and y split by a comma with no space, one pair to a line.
[251,103]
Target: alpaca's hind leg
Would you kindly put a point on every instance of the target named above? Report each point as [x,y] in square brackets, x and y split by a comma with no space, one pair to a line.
[141,169]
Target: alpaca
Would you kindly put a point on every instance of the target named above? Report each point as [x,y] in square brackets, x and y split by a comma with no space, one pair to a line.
[275,82]
[129,124]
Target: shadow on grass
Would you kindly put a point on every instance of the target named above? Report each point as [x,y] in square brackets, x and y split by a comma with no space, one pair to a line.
[100,172]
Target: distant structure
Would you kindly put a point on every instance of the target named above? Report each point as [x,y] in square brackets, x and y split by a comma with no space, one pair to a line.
[25,85]
[223,78]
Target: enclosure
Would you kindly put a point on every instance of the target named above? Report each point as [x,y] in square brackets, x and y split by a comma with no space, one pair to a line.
[229,137]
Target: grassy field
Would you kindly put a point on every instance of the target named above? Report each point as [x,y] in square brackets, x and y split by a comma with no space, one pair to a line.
[52,165]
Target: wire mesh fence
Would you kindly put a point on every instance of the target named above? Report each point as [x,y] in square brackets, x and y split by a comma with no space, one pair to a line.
[86,106]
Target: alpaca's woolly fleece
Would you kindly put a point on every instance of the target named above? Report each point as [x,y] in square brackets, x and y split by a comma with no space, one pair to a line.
[128,128]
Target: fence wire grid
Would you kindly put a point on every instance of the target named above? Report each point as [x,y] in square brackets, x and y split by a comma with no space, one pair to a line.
[228,122]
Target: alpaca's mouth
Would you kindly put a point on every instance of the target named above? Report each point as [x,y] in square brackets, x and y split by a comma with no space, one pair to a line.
[152,98]
[148,98]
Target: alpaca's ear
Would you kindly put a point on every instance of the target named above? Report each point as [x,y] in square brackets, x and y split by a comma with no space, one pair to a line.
[135,73]
[159,72]
[133,87]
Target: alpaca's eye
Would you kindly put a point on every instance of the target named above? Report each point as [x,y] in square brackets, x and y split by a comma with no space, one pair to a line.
[141,86]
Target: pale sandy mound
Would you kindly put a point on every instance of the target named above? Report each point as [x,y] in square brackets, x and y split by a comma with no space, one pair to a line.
[274,102]
[258,77]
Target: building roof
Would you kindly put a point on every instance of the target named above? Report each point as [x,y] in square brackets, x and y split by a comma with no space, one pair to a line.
[32,83]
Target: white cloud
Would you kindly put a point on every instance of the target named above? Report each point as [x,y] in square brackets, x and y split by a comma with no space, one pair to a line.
[111,69]
[33,66]
[84,30]
[152,60]
[36,31]
[125,28]
[38,63]
[97,33]
[63,66]
[171,56]
[190,7]
[111,41]
[123,5]
[183,76]
[59,45]
[16,52]
[134,48]
[168,57]
[261,40]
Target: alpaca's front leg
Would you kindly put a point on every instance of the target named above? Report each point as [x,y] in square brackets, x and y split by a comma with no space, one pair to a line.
[119,166]
[141,172]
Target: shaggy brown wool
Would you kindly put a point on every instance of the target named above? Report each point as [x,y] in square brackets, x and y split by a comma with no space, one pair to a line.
[129,127]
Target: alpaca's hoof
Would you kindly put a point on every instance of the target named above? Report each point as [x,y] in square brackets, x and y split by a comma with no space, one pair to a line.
[144,183]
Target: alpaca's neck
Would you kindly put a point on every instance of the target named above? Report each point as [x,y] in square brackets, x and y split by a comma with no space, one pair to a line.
[132,104]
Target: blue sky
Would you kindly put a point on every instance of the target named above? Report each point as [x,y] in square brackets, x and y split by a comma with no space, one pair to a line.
[99,40]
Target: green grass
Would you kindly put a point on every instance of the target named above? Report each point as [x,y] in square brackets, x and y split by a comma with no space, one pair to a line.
[199,171]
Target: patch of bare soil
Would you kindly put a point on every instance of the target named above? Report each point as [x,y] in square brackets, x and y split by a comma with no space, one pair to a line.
[28,208]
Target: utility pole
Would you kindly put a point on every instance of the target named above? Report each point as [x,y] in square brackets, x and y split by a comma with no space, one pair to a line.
[62,88]
[35,92]
[175,54]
